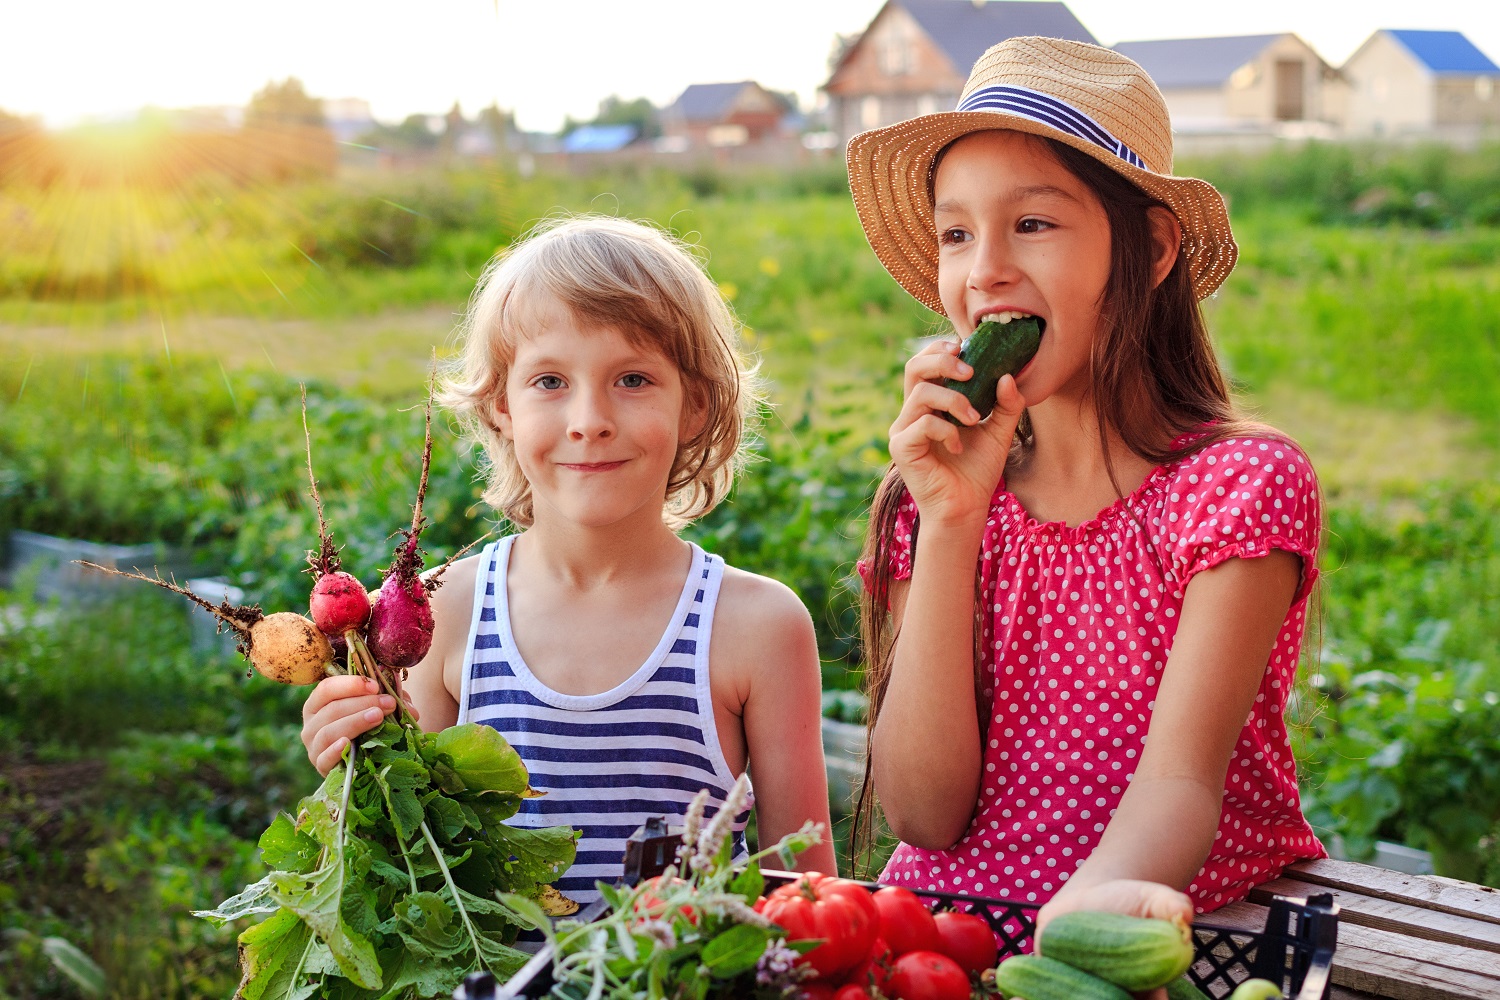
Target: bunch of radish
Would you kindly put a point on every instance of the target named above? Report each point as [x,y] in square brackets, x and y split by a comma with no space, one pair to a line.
[377,635]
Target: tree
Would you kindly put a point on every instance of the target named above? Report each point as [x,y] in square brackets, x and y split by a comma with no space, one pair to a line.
[615,110]
[284,103]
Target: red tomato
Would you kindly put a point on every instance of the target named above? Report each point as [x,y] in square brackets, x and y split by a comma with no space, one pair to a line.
[967,939]
[817,991]
[905,922]
[830,885]
[875,970]
[926,975]
[851,992]
[818,907]
[648,903]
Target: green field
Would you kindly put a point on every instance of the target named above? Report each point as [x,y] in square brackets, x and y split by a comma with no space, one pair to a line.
[154,342]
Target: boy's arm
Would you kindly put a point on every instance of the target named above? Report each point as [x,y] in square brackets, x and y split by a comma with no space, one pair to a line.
[1167,818]
[765,637]
[341,708]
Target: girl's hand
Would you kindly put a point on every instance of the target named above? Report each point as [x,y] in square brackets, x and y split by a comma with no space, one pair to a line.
[1132,897]
[339,709]
[951,472]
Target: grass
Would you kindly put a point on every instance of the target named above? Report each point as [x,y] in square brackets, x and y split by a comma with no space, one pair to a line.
[156,341]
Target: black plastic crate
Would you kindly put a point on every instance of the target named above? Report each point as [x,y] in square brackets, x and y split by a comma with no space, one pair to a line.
[1295,948]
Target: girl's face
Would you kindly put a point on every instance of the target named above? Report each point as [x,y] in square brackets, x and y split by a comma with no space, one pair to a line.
[595,421]
[1017,232]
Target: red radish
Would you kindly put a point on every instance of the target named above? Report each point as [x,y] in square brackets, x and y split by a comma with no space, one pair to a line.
[400,622]
[338,601]
[284,646]
[400,632]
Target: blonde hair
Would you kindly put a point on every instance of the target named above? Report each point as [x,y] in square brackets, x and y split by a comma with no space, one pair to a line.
[638,280]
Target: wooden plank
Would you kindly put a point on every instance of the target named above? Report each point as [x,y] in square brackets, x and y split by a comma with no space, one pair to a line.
[1340,993]
[1391,965]
[1390,915]
[1401,968]
[1464,899]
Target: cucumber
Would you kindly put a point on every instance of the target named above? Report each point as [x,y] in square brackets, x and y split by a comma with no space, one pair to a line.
[1134,953]
[994,350]
[1033,977]
[1182,988]
[1256,989]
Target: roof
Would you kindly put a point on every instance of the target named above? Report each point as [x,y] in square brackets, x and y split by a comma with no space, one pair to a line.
[1445,51]
[709,101]
[963,29]
[1179,63]
[599,138]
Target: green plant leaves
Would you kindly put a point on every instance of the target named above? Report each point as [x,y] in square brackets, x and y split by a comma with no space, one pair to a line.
[483,759]
[735,951]
[387,879]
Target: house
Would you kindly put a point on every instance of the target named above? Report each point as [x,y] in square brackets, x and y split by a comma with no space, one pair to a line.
[600,138]
[1240,83]
[915,55]
[1421,82]
[713,115]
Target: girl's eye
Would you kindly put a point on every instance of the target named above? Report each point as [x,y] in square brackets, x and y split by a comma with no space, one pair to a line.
[549,382]
[634,380]
[952,237]
[1032,226]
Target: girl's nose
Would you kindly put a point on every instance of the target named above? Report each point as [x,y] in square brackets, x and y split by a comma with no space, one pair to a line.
[590,417]
[991,266]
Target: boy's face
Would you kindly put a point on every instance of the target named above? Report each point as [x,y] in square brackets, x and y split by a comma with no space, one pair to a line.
[1018,232]
[595,421]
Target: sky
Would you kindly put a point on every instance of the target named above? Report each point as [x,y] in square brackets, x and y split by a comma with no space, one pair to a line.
[75,60]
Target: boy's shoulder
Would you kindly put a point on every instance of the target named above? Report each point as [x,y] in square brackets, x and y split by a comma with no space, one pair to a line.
[762,633]
[756,600]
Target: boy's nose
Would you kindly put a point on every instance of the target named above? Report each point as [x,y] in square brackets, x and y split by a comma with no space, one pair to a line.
[589,418]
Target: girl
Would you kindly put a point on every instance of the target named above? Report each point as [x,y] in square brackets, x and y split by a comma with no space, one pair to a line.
[628,668]
[1083,612]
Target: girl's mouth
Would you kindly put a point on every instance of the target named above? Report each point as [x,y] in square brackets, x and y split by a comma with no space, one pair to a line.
[1005,316]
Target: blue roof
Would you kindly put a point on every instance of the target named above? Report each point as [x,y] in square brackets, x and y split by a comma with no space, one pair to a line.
[599,138]
[1445,51]
[964,29]
[1194,62]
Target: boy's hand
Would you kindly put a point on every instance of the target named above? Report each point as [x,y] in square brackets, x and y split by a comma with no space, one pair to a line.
[950,472]
[338,710]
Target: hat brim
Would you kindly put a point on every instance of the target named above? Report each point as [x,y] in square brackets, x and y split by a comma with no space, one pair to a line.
[888,173]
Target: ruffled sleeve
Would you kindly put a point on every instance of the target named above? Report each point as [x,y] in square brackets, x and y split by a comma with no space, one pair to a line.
[899,545]
[1243,498]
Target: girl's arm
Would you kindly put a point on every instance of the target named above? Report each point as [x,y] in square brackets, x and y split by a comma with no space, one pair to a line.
[925,746]
[1167,818]
[763,638]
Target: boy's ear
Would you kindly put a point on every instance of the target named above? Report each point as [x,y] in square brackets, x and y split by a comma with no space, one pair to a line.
[1166,239]
[694,413]
[502,418]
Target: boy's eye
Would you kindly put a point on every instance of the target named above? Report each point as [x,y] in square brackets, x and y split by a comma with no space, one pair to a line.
[549,382]
[635,380]
[1032,226]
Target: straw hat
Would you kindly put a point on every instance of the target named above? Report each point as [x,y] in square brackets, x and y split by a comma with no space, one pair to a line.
[1091,98]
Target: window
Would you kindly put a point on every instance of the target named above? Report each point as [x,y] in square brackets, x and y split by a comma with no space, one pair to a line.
[869,112]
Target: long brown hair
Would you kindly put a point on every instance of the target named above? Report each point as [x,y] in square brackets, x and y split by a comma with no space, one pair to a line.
[1153,377]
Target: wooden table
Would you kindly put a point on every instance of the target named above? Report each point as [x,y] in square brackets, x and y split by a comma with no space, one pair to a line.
[1401,937]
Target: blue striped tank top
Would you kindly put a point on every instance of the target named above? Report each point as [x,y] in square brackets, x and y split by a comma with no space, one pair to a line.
[606,761]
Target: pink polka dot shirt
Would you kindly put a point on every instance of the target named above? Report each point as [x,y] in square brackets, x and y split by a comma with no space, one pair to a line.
[1080,624]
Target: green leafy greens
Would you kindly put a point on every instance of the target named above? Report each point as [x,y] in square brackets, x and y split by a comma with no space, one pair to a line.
[388,883]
